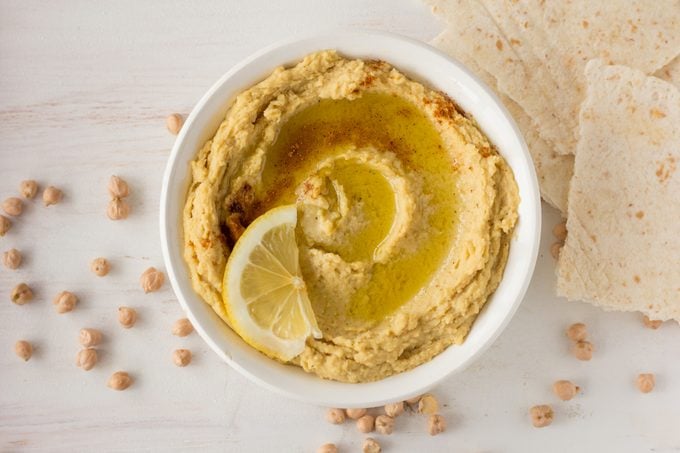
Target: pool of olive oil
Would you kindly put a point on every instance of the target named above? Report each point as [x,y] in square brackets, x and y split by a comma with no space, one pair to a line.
[390,124]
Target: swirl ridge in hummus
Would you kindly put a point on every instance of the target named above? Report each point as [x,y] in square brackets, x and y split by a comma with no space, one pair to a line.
[405,210]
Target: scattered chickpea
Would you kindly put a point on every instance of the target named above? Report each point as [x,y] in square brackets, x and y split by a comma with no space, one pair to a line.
[181,357]
[12,259]
[21,294]
[5,225]
[174,123]
[651,324]
[541,416]
[428,404]
[52,195]
[118,188]
[151,280]
[89,337]
[118,209]
[565,390]
[13,206]
[335,416]
[65,301]
[384,424]
[371,446]
[28,188]
[23,349]
[327,448]
[182,327]
[645,382]
[577,332]
[394,409]
[127,317]
[120,380]
[436,424]
[560,231]
[555,249]
[100,266]
[366,423]
[355,414]
[583,350]
[86,359]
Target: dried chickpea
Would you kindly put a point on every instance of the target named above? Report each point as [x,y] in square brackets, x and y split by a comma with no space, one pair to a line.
[541,416]
[583,350]
[384,424]
[118,209]
[13,206]
[645,382]
[560,231]
[21,294]
[65,301]
[366,423]
[370,445]
[86,359]
[28,188]
[428,404]
[118,188]
[174,123]
[565,390]
[11,259]
[181,357]
[335,416]
[127,317]
[151,280]
[89,337]
[52,195]
[394,409]
[23,350]
[555,249]
[120,380]
[100,266]
[436,424]
[577,332]
[182,327]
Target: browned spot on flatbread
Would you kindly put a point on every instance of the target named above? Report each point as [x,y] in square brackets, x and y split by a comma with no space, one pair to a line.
[515,42]
[639,214]
[584,24]
[636,278]
[665,169]
[499,44]
[656,113]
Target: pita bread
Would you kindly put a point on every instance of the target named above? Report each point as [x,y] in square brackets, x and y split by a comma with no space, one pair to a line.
[554,171]
[623,247]
[537,49]
[671,72]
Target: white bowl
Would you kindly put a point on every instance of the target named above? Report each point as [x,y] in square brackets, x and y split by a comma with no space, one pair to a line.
[423,63]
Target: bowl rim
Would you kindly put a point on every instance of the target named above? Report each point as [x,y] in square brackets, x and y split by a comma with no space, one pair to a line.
[532,216]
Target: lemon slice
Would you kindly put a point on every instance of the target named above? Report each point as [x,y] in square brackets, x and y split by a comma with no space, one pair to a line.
[264,294]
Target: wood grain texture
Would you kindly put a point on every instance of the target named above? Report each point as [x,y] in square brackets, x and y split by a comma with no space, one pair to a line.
[84,90]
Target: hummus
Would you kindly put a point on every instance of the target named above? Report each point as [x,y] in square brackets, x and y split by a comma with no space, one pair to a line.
[405,210]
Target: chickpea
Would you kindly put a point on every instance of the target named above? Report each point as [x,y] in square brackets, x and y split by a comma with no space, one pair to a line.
[327,448]
[28,188]
[577,332]
[366,423]
[565,390]
[335,416]
[181,357]
[182,327]
[52,195]
[428,404]
[555,249]
[118,209]
[127,317]
[23,350]
[118,188]
[651,324]
[355,414]
[86,359]
[13,206]
[65,301]
[394,409]
[89,337]
[371,446]
[560,231]
[151,280]
[5,225]
[21,294]
[100,266]
[120,380]
[645,382]
[12,258]
[541,416]
[384,424]
[436,424]
[583,350]
[174,123]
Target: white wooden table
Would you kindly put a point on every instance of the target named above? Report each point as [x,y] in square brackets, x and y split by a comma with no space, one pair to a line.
[84,89]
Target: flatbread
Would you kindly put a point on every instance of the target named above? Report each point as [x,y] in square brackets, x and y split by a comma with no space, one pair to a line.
[554,171]
[671,72]
[623,247]
[537,49]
